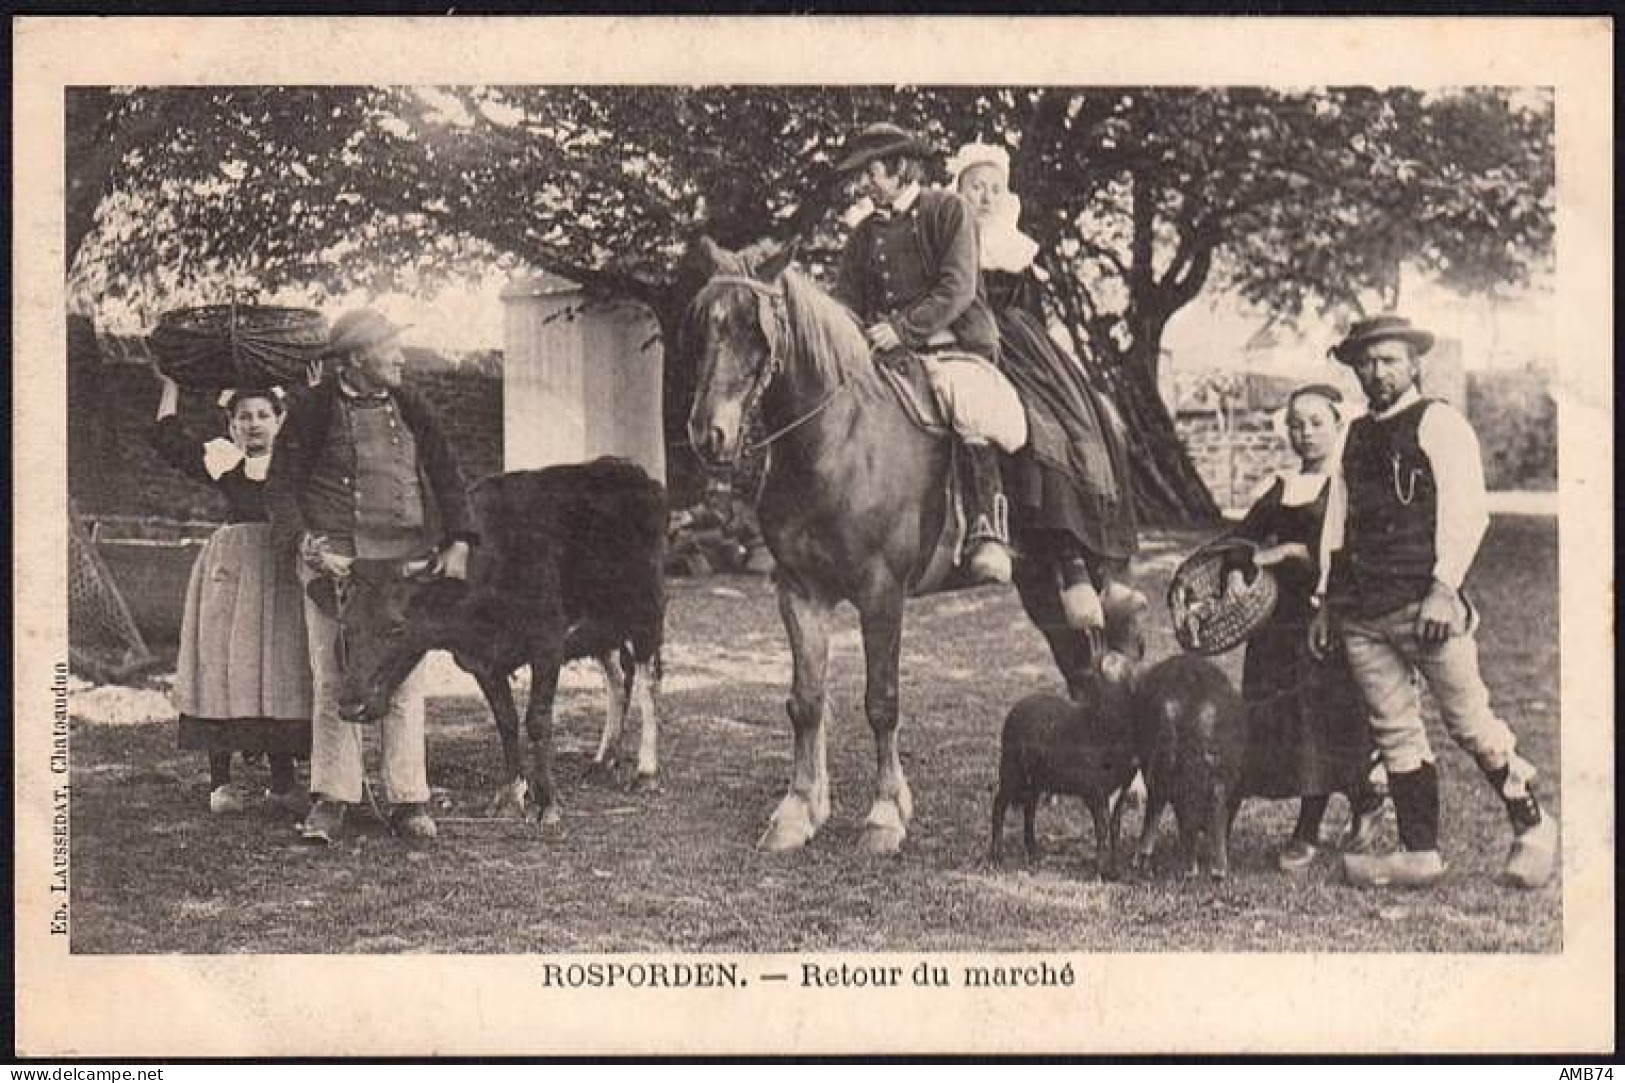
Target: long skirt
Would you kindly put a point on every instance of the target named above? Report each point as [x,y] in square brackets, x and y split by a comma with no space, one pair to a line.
[1309,733]
[242,680]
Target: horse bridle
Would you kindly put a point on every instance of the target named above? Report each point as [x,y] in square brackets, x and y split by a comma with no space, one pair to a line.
[769,369]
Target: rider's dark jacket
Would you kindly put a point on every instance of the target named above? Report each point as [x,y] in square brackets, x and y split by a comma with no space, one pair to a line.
[918,269]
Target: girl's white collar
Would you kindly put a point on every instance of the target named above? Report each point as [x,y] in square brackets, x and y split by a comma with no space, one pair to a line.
[221,456]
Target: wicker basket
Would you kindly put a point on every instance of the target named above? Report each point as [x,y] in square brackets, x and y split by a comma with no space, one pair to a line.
[1205,620]
[217,346]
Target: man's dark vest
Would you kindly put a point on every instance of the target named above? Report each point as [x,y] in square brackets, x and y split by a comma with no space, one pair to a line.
[1388,545]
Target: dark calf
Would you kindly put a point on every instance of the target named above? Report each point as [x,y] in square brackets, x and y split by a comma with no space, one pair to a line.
[1084,747]
[570,566]
[1193,732]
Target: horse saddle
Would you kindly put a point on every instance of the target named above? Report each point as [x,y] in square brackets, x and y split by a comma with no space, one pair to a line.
[904,372]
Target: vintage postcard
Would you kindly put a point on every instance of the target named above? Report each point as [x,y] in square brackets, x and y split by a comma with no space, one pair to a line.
[583,536]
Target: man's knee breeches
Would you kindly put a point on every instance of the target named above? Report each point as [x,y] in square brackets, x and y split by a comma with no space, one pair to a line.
[1385,657]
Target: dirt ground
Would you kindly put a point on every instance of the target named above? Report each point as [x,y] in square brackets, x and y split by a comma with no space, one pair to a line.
[676,870]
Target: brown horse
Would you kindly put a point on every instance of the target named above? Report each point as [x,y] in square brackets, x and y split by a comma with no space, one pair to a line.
[852,505]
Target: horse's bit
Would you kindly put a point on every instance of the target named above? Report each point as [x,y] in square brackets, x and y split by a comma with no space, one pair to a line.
[772,367]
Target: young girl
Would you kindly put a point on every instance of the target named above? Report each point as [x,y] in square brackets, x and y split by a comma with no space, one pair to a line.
[1310,737]
[242,681]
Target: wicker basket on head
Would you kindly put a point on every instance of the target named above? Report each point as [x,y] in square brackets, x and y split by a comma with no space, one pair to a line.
[216,346]
[1205,620]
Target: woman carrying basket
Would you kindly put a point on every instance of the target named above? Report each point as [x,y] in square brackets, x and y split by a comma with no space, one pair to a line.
[1309,737]
[242,681]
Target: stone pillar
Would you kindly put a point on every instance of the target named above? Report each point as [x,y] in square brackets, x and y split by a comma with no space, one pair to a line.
[581,378]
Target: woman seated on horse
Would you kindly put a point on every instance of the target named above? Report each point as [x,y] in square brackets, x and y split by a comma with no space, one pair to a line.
[1070,483]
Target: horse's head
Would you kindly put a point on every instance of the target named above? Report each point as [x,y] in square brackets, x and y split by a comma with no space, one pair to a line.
[735,330]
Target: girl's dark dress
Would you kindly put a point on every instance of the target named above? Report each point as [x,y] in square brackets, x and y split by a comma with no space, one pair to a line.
[1072,477]
[1310,732]
[242,679]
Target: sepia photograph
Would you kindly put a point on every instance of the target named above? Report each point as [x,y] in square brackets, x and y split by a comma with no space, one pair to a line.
[804,551]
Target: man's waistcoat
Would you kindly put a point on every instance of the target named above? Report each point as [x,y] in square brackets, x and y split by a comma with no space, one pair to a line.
[899,261]
[1388,548]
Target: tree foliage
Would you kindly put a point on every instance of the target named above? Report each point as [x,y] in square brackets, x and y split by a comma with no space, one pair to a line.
[1300,201]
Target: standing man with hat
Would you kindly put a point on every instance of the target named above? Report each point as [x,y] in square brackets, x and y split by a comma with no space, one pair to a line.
[364,470]
[910,272]
[1403,523]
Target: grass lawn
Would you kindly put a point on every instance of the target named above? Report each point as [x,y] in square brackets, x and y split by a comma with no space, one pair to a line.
[676,870]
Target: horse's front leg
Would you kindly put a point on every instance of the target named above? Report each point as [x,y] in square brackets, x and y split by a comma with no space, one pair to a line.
[509,799]
[887,823]
[805,807]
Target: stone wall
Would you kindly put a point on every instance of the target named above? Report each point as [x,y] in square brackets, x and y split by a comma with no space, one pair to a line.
[1234,464]
[1512,412]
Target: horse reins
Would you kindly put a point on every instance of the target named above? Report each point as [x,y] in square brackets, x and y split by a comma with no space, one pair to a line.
[751,408]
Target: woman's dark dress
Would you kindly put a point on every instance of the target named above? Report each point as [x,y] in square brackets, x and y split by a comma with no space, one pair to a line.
[1310,732]
[1072,477]
[242,679]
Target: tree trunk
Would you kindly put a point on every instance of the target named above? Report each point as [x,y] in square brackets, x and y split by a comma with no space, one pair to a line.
[1169,491]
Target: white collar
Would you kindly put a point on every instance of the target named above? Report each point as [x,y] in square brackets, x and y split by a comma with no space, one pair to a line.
[356,395]
[1298,489]
[905,199]
[1003,247]
[221,456]
[1410,397]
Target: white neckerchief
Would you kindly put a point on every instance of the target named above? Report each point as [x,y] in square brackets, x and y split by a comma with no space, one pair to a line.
[905,199]
[221,456]
[1002,245]
[1298,489]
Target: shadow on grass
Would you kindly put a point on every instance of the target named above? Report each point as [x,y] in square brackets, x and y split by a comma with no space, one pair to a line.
[676,870]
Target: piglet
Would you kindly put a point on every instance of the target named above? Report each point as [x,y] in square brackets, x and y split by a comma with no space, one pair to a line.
[1084,747]
[1193,731]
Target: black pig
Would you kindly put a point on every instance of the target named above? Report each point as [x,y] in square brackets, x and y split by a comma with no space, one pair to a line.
[1053,745]
[1193,731]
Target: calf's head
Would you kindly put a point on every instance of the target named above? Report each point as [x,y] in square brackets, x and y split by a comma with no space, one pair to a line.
[391,614]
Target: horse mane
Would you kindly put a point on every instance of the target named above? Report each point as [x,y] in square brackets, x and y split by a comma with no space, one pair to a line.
[824,334]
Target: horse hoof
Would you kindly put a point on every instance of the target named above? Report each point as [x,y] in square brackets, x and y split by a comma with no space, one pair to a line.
[881,839]
[552,815]
[780,838]
[791,827]
[642,783]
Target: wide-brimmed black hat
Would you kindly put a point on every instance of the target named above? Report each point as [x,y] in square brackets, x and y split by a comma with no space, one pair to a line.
[882,141]
[1377,328]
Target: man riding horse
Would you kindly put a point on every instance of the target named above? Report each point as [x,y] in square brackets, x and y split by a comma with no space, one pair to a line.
[910,273]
